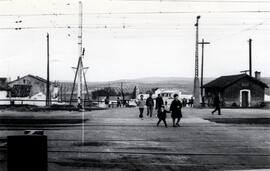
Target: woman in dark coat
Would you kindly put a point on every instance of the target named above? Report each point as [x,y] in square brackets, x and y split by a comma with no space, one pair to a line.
[175,108]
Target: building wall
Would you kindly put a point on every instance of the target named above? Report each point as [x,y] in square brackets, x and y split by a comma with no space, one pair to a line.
[232,93]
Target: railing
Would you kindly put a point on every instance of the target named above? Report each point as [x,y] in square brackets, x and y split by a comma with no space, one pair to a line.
[38,102]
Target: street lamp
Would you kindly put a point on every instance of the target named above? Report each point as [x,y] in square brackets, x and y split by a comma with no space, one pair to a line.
[196,90]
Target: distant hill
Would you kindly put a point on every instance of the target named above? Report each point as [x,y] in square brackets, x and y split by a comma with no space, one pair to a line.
[183,83]
[144,84]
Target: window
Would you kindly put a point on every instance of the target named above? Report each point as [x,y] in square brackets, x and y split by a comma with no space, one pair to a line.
[245,84]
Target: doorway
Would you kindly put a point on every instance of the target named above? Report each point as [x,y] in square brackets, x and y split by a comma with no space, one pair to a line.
[244,98]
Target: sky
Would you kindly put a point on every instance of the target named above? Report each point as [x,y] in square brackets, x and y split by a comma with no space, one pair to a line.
[126,39]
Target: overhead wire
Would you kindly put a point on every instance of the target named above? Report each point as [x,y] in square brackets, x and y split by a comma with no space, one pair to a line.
[133,13]
[125,24]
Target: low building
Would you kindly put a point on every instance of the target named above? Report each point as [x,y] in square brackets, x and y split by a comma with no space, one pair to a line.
[33,84]
[239,90]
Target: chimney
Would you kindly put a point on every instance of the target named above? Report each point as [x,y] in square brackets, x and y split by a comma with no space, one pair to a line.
[18,77]
[257,75]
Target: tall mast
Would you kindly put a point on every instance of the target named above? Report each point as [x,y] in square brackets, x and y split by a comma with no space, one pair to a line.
[80,51]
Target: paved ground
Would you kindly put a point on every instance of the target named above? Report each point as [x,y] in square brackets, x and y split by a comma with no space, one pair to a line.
[117,139]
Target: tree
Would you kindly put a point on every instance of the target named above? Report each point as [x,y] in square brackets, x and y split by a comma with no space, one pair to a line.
[149,92]
[106,91]
[20,90]
[109,92]
[133,95]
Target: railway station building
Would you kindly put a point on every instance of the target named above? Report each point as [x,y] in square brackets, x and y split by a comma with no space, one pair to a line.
[239,90]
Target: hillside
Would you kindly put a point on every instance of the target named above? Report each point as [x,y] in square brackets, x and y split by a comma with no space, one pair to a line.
[144,84]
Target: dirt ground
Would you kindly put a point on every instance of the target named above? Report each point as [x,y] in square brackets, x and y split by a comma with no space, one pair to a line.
[117,139]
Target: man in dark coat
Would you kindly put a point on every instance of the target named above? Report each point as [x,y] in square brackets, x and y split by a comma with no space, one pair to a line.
[149,104]
[175,108]
[159,103]
[217,105]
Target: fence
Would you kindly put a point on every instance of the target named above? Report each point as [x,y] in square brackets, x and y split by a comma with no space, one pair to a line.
[36,102]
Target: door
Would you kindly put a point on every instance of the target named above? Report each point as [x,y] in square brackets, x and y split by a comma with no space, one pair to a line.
[244,99]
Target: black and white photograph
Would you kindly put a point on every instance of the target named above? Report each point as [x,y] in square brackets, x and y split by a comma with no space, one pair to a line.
[134,85]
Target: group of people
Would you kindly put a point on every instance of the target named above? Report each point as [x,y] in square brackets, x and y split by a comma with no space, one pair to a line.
[120,103]
[162,109]
[187,102]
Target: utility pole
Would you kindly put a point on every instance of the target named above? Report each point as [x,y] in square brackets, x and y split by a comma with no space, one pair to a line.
[250,57]
[122,93]
[61,93]
[109,90]
[202,92]
[48,97]
[196,90]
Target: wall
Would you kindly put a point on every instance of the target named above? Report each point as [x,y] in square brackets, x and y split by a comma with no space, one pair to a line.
[232,93]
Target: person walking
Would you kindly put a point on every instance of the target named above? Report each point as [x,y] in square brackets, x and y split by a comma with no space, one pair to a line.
[162,115]
[107,101]
[184,102]
[216,105]
[79,106]
[141,104]
[149,104]
[118,101]
[159,103]
[175,108]
[191,102]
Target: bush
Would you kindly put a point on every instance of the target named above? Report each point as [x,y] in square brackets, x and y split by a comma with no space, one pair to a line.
[234,104]
[262,104]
